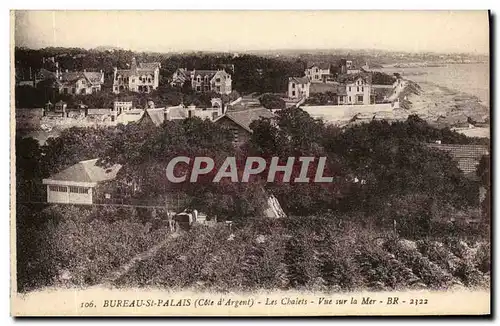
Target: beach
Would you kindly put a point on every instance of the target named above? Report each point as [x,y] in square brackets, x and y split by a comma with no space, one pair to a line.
[451,96]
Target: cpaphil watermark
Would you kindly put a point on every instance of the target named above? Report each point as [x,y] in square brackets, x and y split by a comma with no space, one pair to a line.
[303,169]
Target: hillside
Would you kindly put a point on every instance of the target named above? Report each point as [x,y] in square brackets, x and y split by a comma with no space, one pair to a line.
[311,254]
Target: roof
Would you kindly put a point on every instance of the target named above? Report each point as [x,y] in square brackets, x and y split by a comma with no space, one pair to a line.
[70,76]
[98,111]
[46,74]
[157,116]
[203,73]
[94,77]
[244,118]
[141,67]
[149,65]
[467,156]
[124,72]
[182,72]
[319,65]
[128,116]
[87,171]
[176,113]
[349,78]
[299,80]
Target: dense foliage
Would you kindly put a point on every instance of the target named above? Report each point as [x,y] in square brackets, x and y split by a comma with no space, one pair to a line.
[302,254]
[385,179]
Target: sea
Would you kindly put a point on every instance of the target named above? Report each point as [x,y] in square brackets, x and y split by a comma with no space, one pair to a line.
[472,79]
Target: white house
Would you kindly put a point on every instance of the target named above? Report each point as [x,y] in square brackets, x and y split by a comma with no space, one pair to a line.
[318,73]
[143,77]
[77,184]
[358,89]
[298,87]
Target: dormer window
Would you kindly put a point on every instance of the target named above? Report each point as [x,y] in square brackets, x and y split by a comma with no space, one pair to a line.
[198,79]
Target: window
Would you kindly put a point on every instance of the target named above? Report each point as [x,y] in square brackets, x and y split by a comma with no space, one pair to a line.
[58,188]
[217,80]
[357,89]
[116,88]
[234,132]
[362,89]
[349,99]
[218,88]
[349,88]
[293,85]
[198,79]
[198,88]
[360,98]
[316,77]
[293,93]
[79,190]
[84,91]
[317,70]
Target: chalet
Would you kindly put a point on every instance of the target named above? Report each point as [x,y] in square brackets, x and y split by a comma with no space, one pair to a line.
[78,184]
[79,82]
[218,81]
[298,87]
[238,122]
[318,73]
[142,77]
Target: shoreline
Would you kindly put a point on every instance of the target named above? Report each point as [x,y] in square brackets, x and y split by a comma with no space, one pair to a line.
[445,107]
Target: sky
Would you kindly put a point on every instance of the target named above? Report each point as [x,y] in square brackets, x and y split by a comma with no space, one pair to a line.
[233,31]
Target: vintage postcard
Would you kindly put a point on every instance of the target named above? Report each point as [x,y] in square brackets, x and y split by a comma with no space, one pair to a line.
[250,163]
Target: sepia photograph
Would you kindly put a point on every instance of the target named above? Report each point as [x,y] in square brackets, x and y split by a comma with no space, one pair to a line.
[250,163]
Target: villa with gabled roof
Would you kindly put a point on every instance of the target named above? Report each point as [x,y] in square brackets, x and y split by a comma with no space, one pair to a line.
[78,82]
[218,81]
[143,77]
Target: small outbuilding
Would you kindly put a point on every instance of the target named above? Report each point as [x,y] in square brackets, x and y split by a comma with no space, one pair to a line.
[78,183]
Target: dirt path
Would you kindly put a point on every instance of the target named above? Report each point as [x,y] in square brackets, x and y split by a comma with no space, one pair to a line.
[124,269]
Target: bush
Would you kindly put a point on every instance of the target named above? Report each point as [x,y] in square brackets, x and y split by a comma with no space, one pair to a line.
[77,246]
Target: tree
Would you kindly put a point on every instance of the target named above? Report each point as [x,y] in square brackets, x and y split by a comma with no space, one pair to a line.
[272,102]
[483,172]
